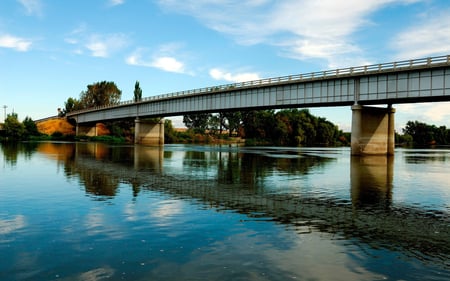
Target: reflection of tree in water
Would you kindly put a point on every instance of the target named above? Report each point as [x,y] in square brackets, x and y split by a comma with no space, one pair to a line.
[99,184]
[11,151]
[95,182]
[252,169]
[198,159]
[424,157]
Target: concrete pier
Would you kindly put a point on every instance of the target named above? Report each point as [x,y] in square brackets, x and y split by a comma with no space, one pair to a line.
[87,129]
[372,130]
[149,132]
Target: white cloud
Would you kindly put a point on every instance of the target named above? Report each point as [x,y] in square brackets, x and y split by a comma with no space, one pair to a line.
[32,7]
[168,64]
[431,113]
[161,59]
[16,43]
[104,45]
[429,36]
[219,74]
[304,29]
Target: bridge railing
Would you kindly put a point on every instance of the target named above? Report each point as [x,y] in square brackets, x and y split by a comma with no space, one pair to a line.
[349,71]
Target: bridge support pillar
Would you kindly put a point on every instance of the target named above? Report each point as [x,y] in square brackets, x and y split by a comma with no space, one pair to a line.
[148,132]
[372,130]
[89,130]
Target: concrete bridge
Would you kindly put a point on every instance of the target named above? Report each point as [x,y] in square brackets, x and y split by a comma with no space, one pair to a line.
[410,81]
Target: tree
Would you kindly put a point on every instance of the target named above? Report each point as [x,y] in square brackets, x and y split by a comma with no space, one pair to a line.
[197,122]
[30,127]
[234,121]
[422,134]
[13,128]
[100,94]
[70,105]
[169,132]
[137,92]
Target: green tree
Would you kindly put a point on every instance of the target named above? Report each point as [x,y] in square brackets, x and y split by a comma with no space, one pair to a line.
[14,129]
[233,121]
[70,105]
[100,94]
[137,92]
[169,132]
[421,133]
[327,132]
[197,122]
[214,124]
[30,127]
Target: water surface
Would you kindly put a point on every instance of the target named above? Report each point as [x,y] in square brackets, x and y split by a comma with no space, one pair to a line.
[89,211]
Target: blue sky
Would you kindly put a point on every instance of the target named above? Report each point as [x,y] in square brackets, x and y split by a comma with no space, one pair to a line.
[51,50]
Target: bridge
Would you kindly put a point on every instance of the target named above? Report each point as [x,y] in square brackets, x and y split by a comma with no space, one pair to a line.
[409,81]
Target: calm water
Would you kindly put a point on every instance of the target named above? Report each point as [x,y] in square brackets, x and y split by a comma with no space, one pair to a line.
[96,212]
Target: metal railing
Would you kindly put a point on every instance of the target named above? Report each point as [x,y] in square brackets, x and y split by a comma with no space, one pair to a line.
[327,74]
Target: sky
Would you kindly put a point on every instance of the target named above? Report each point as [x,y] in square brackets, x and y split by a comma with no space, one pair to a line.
[51,50]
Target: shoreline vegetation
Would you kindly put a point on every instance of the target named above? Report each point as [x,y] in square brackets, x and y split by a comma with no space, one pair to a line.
[200,129]
[416,134]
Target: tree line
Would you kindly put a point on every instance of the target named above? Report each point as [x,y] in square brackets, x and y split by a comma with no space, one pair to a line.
[420,134]
[289,127]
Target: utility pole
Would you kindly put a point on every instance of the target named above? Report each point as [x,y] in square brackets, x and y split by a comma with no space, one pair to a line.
[4,108]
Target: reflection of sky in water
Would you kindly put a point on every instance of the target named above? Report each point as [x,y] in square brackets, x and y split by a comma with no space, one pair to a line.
[423,178]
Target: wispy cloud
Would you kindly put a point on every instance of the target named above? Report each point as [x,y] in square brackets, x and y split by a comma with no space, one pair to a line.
[429,36]
[163,58]
[104,45]
[16,43]
[32,7]
[219,74]
[438,113]
[304,29]
[98,45]
[115,2]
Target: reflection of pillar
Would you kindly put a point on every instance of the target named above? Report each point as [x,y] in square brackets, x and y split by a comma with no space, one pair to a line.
[372,130]
[148,158]
[148,132]
[371,180]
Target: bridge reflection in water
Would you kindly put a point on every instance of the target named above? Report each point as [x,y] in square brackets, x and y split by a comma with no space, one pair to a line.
[369,217]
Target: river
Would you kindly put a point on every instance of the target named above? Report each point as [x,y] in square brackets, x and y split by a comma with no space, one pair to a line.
[91,211]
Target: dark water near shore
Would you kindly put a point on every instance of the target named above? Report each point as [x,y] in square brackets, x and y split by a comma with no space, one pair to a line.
[90,211]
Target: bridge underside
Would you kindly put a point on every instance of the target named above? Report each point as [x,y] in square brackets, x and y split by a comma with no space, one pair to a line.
[147,132]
